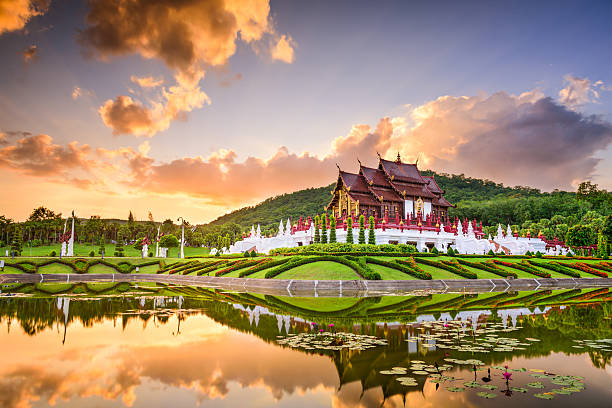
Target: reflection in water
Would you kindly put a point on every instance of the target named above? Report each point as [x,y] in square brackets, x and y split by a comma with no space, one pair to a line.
[157,345]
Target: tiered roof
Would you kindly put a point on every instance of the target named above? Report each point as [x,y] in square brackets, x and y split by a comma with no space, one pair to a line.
[392,181]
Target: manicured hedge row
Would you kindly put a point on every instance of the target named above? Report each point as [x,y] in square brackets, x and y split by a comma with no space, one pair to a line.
[523,267]
[240,265]
[462,269]
[525,299]
[489,267]
[590,295]
[440,265]
[80,265]
[344,248]
[603,266]
[562,296]
[397,265]
[269,263]
[588,269]
[456,301]
[554,266]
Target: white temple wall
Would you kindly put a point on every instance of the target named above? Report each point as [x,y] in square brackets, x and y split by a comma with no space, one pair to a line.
[408,208]
[426,208]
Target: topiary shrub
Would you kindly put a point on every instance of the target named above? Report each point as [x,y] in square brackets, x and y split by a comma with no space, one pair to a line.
[253,254]
[246,254]
[450,252]
[150,254]
[434,250]
[92,253]
[528,253]
[52,253]
[491,252]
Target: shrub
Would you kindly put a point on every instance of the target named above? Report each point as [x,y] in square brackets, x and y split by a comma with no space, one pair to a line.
[52,253]
[491,252]
[449,266]
[434,250]
[324,229]
[362,239]
[569,254]
[150,254]
[555,266]
[362,271]
[92,253]
[538,254]
[523,267]
[371,233]
[405,267]
[266,264]
[101,246]
[349,230]
[528,253]
[36,242]
[317,234]
[588,269]
[253,254]
[246,254]
[489,267]
[332,229]
[450,251]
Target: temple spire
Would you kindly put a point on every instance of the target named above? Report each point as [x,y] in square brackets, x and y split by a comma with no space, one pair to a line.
[399,159]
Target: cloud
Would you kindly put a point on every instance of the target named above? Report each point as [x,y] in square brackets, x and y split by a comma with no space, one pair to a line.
[39,156]
[126,116]
[147,82]
[188,36]
[15,14]
[518,140]
[29,53]
[579,91]
[283,50]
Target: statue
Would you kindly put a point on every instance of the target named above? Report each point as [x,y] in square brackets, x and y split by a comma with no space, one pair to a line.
[280,229]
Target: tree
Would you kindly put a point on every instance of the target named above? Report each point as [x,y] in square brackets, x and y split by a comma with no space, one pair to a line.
[196,239]
[169,241]
[349,230]
[371,235]
[362,239]
[101,247]
[332,229]
[580,235]
[324,229]
[131,217]
[317,233]
[607,228]
[602,245]
[17,242]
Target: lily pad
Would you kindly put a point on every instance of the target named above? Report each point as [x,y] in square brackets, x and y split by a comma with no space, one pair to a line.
[488,386]
[455,389]
[536,384]
[519,389]
[486,395]
[472,384]
[544,395]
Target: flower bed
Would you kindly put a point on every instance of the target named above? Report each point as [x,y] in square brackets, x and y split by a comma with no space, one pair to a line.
[603,266]
[523,267]
[402,266]
[451,268]
[361,270]
[240,265]
[590,295]
[268,263]
[489,267]
[588,269]
[555,266]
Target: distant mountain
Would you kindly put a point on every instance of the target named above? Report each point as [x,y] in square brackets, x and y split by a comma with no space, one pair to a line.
[312,200]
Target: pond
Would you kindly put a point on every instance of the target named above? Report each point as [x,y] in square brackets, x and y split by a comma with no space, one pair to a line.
[161,345]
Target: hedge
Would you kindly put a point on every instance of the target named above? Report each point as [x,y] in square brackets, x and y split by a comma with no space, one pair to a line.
[419,274]
[362,271]
[603,266]
[269,263]
[554,266]
[489,267]
[240,265]
[523,267]
[465,273]
[562,296]
[588,269]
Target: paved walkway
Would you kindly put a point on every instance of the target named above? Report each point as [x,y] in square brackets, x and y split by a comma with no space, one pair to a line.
[324,288]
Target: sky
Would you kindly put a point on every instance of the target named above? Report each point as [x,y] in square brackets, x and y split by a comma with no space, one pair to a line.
[196,108]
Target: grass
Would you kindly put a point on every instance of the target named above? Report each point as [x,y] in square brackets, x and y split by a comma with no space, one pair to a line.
[321,304]
[84,250]
[323,270]
[390,274]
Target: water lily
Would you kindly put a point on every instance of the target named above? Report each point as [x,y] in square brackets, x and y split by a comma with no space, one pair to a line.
[507,376]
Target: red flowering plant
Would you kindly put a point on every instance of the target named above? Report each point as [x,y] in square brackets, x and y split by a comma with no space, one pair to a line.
[523,267]
[588,269]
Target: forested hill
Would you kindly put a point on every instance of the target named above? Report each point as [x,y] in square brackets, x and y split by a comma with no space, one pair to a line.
[293,205]
[311,201]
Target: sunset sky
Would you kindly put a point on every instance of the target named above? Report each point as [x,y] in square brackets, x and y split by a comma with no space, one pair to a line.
[195,108]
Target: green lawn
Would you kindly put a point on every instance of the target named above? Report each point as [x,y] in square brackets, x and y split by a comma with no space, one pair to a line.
[390,274]
[83,250]
[320,304]
[323,270]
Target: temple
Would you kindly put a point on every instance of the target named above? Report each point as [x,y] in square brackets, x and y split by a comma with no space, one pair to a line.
[392,190]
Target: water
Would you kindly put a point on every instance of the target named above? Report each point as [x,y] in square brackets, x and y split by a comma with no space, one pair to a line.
[154,345]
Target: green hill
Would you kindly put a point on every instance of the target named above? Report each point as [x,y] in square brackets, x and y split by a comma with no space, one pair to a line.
[470,195]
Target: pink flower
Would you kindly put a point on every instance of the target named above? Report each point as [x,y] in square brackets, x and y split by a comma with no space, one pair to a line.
[331,325]
[313,323]
[506,367]
[321,330]
[507,376]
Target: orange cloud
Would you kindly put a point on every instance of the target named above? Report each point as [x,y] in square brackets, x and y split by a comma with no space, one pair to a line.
[187,36]
[124,115]
[283,50]
[39,156]
[15,14]
[147,82]
[29,53]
